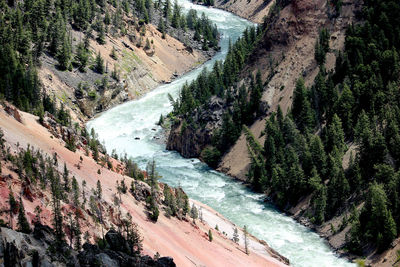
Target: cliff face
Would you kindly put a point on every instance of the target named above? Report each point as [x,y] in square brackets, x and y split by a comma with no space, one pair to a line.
[18,249]
[254,10]
[190,142]
[285,53]
[139,70]
[187,141]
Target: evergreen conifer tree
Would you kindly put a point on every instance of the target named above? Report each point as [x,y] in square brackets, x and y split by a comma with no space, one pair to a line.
[99,64]
[235,235]
[246,240]
[22,221]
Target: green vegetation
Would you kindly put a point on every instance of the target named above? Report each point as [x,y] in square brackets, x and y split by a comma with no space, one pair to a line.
[152,179]
[22,221]
[32,29]
[218,82]
[203,27]
[235,237]
[204,30]
[194,214]
[357,103]
[36,169]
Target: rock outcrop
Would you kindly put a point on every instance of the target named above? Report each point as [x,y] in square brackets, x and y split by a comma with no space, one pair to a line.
[190,142]
[38,249]
[254,10]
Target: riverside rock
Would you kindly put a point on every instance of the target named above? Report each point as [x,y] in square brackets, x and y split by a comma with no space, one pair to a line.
[18,249]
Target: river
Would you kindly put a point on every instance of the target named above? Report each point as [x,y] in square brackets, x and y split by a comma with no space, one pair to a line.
[119,128]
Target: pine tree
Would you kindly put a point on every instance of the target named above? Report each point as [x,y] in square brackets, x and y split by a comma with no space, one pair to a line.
[133,236]
[176,15]
[84,200]
[152,207]
[99,190]
[77,233]
[64,54]
[124,188]
[167,10]
[152,174]
[67,187]
[99,65]
[194,213]
[335,136]
[75,190]
[345,109]
[210,236]
[147,46]
[12,203]
[82,57]
[97,205]
[57,33]
[161,27]
[376,219]
[107,18]
[235,235]
[256,94]
[101,35]
[246,241]
[318,154]
[114,54]
[301,108]
[320,199]
[322,46]
[115,73]
[22,221]
[56,196]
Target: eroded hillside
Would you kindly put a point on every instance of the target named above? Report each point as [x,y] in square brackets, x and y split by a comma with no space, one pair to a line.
[254,10]
[42,156]
[308,118]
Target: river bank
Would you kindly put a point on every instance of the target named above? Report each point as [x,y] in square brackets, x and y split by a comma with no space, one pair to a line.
[185,242]
[130,70]
[130,128]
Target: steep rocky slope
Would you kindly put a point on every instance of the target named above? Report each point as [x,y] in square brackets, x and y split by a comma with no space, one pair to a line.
[87,56]
[285,54]
[254,10]
[19,249]
[185,242]
[140,70]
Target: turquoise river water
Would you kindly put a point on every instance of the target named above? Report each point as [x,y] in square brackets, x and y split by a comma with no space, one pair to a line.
[118,128]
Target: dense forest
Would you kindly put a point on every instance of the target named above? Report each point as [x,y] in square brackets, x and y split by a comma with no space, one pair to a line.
[30,29]
[243,103]
[352,111]
[195,97]
[355,107]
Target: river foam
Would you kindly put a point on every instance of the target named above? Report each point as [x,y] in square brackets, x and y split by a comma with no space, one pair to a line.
[120,127]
